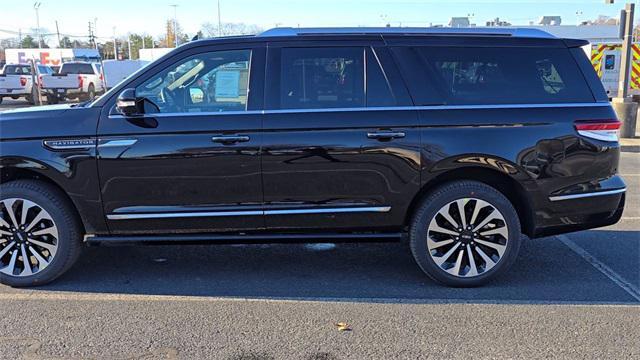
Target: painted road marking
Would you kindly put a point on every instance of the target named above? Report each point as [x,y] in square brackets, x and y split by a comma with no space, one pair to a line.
[600,266]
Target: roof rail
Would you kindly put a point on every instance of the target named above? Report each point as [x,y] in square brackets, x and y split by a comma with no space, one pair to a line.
[477,31]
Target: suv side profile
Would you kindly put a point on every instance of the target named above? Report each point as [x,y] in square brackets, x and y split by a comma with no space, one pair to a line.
[458,140]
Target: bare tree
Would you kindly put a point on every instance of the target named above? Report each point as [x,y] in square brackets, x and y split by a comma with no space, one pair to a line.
[227,29]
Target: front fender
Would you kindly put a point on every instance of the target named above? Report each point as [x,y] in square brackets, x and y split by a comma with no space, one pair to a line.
[73,171]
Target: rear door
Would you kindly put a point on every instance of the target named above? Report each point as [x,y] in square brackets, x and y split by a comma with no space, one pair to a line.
[340,147]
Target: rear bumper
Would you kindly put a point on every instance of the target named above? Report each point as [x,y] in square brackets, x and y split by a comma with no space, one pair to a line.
[13,92]
[582,210]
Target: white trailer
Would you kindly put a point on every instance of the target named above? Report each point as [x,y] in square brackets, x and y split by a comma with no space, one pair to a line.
[117,70]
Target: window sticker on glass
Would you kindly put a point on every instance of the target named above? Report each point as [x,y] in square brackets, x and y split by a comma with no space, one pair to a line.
[227,84]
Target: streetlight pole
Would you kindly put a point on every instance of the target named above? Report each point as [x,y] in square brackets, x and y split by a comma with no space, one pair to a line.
[95,31]
[175,23]
[219,22]
[36,6]
[115,45]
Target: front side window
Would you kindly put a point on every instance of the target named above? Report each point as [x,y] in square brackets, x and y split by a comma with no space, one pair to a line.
[315,78]
[208,82]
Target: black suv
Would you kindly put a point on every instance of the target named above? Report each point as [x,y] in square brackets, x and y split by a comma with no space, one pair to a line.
[460,141]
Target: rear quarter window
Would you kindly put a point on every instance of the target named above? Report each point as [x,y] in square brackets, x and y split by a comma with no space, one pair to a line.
[506,75]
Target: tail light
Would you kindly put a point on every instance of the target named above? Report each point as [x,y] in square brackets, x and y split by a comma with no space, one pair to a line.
[23,81]
[80,81]
[605,130]
[40,81]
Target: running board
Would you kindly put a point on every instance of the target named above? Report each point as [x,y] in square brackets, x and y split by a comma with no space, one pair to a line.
[202,239]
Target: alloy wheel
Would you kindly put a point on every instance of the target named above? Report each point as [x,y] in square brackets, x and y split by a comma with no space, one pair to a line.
[28,237]
[467,237]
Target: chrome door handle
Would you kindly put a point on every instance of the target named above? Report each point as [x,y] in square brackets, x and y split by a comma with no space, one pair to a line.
[386,135]
[230,139]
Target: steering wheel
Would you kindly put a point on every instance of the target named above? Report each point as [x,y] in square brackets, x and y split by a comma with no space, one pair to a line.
[168,99]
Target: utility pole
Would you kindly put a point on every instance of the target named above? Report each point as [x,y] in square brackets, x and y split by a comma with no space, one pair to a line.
[58,32]
[36,6]
[219,22]
[20,38]
[115,45]
[129,45]
[175,23]
[626,109]
[95,31]
[91,37]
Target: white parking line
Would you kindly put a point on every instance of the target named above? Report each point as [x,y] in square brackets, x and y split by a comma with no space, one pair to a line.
[602,267]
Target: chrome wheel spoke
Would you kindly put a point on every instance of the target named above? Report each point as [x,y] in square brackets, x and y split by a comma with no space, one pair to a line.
[2,232]
[463,218]
[4,223]
[6,249]
[12,264]
[438,244]
[25,261]
[479,205]
[52,248]
[41,216]
[442,259]
[8,204]
[494,215]
[501,230]
[445,213]
[26,205]
[489,263]
[42,263]
[473,269]
[455,270]
[53,231]
[437,228]
[499,248]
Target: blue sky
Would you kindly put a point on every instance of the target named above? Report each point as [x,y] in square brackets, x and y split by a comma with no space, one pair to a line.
[148,16]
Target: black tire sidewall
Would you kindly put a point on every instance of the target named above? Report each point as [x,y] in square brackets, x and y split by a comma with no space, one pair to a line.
[444,195]
[69,236]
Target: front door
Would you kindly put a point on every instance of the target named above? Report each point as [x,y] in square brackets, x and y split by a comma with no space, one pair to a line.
[339,153]
[191,162]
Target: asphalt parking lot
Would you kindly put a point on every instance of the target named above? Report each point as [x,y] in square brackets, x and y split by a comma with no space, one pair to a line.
[568,296]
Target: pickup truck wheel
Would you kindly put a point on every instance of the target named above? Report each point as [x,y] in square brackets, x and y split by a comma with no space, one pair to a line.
[52,99]
[32,99]
[465,233]
[40,234]
[0,99]
[91,92]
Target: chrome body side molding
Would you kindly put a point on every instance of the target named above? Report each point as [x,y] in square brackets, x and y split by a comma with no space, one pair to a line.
[586,195]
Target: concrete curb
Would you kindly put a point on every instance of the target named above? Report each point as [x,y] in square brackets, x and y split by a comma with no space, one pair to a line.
[630,145]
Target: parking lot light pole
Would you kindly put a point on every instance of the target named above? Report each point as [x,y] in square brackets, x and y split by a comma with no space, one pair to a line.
[36,6]
[626,109]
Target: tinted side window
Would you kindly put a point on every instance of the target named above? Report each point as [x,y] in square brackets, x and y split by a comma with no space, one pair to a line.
[506,75]
[378,88]
[207,82]
[322,78]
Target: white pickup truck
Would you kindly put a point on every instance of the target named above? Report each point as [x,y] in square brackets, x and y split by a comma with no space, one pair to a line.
[16,81]
[75,80]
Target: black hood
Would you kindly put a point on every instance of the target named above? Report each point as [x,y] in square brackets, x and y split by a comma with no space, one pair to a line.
[66,120]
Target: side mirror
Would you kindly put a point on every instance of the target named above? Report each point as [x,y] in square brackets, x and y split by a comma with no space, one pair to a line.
[127,103]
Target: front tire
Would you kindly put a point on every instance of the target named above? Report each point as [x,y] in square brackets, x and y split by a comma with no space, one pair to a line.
[38,224]
[465,233]
[91,92]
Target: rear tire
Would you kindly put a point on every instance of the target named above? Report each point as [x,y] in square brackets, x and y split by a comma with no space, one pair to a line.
[465,250]
[49,234]
[91,92]
[0,99]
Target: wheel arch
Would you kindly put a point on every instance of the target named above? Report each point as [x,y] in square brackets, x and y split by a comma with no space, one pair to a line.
[506,184]
[31,170]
